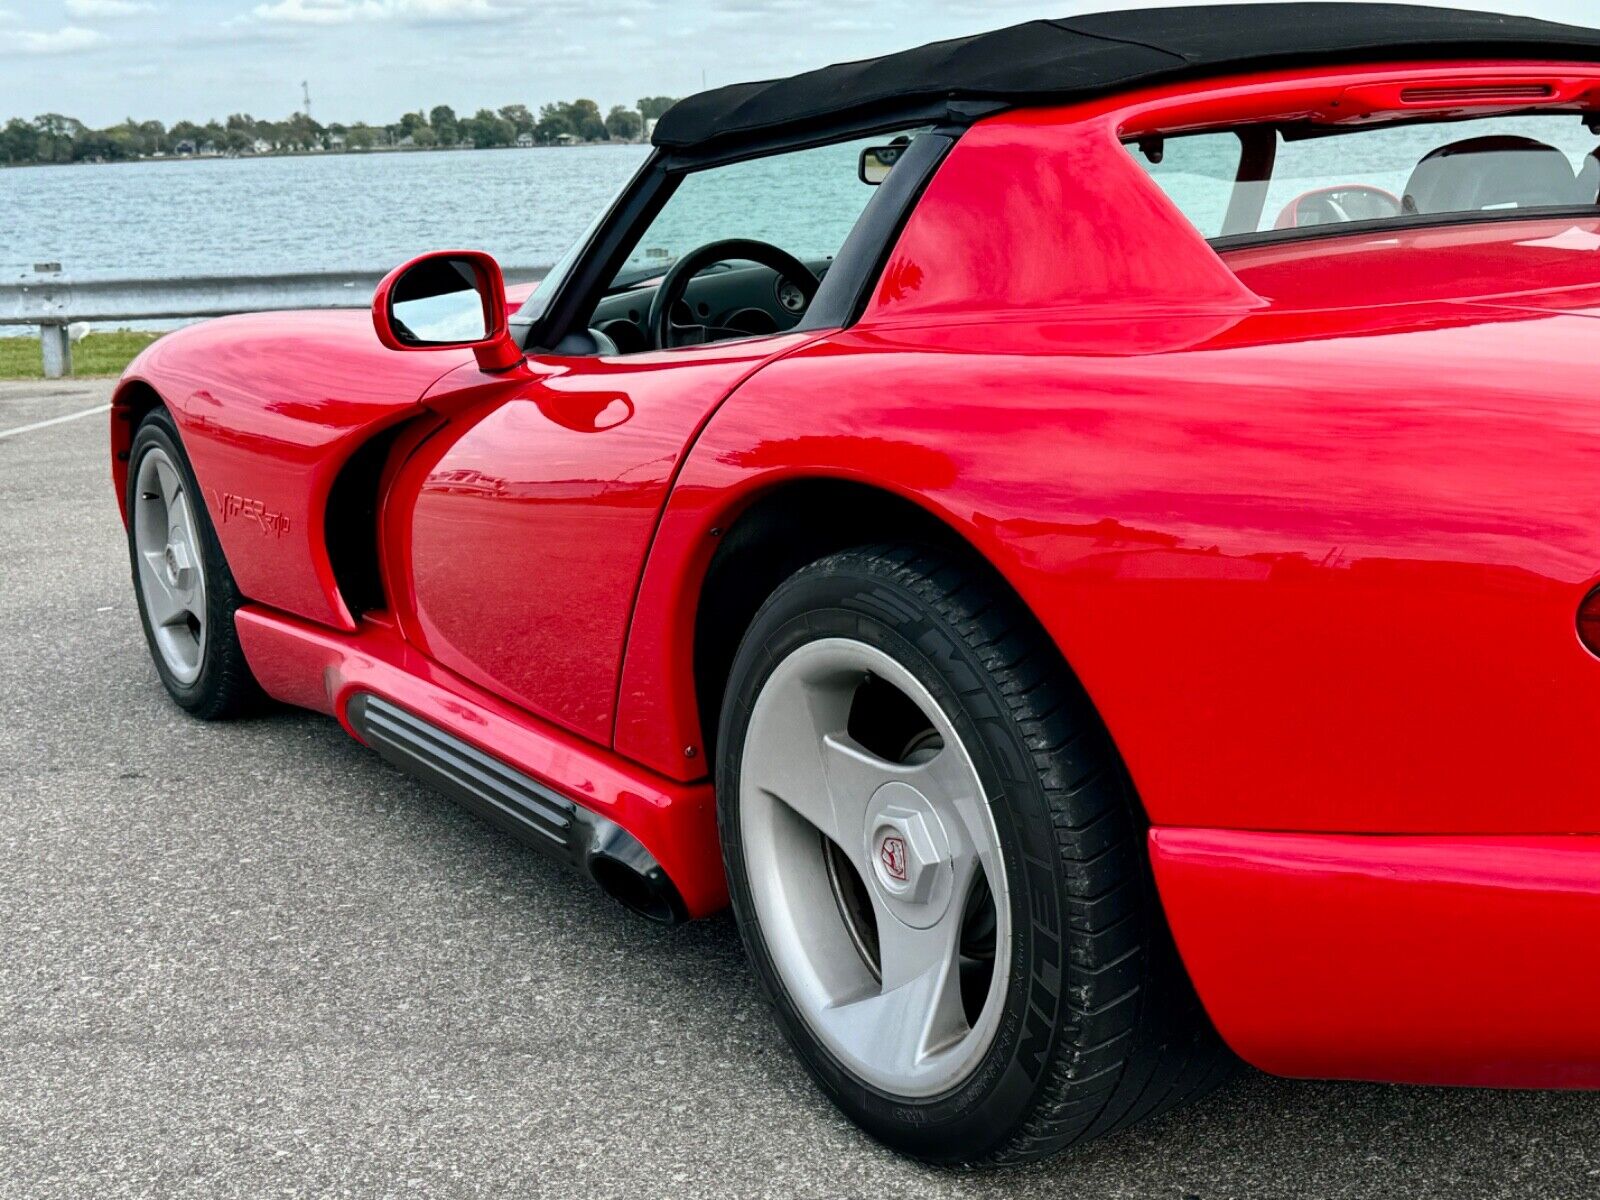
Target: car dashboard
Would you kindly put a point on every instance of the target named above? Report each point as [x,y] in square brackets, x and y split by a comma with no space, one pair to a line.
[754,300]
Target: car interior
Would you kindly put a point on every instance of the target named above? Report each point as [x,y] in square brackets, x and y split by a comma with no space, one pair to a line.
[1503,171]
[1309,179]
[728,256]
[731,256]
[727,299]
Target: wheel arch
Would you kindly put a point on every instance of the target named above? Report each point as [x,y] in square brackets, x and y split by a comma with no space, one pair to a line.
[781,528]
[777,532]
[133,400]
[718,554]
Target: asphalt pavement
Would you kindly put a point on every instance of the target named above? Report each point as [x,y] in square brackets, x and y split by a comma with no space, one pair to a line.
[252,960]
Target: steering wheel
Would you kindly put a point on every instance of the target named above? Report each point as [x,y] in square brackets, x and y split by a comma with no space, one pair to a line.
[664,334]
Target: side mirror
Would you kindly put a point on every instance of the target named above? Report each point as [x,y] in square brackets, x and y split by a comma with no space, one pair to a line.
[450,300]
[878,161]
[1340,205]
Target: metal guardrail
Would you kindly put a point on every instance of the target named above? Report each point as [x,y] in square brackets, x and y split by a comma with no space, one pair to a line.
[52,303]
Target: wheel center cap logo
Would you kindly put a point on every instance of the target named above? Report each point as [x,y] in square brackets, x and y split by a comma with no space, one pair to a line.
[892,853]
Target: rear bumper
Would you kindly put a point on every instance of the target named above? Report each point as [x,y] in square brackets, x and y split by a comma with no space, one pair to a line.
[1438,960]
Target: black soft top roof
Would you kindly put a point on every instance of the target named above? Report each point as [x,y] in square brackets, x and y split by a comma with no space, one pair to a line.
[1069,59]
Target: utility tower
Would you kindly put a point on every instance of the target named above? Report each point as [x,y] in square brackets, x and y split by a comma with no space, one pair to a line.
[305,90]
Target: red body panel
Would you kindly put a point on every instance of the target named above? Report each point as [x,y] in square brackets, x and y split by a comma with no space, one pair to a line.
[516,536]
[1265,534]
[1311,522]
[1421,960]
[271,407]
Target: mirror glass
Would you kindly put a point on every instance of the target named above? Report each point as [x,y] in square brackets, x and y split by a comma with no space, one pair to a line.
[878,161]
[439,302]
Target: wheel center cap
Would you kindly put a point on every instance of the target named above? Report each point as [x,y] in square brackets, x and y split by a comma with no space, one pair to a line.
[176,560]
[892,856]
[910,854]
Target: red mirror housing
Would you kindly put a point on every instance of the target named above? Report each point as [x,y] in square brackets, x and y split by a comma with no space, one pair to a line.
[456,300]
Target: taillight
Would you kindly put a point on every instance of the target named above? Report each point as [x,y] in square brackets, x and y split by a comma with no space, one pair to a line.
[1589,622]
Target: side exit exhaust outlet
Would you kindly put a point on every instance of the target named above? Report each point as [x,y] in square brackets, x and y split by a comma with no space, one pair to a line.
[525,808]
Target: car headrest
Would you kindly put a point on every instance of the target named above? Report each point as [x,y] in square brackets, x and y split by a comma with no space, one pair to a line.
[1493,172]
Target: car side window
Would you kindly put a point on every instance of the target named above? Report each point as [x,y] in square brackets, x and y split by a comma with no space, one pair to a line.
[1302,177]
[681,284]
[1197,173]
[805,202]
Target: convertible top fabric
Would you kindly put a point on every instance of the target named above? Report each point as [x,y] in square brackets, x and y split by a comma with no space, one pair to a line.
[1070,59]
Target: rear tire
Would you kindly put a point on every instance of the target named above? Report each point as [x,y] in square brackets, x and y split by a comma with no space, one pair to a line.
[1087,1022]
[187,596]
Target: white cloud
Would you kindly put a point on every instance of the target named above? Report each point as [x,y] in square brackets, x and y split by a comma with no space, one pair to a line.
[92,9]
[316,12]
[446,10]
[62,41]
[341,12]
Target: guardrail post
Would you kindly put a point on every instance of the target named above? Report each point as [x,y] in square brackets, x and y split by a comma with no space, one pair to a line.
[56,347]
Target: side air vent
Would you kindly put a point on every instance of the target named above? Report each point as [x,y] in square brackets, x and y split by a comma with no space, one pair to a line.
[1589,622]
[523,807]
[351,526]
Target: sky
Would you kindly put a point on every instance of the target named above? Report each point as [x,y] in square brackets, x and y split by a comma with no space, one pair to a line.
[103,60]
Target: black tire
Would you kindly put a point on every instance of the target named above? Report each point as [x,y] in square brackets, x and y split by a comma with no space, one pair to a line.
[224,687]
[1121,1036]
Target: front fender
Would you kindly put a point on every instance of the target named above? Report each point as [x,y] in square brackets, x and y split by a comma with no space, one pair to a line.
[271,407]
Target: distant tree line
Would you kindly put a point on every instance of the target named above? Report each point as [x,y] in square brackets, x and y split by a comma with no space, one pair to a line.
[53,138]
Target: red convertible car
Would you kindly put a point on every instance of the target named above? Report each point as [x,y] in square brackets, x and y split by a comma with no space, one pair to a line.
[1087,535]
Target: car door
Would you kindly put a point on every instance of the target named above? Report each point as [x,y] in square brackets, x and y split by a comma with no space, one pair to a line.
[516,534]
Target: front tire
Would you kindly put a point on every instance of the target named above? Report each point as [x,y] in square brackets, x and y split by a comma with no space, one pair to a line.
[938,868]
[187,596]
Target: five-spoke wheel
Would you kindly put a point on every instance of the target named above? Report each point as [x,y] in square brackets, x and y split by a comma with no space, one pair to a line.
[187,595]
[875,866]
[169,570]
[937,865]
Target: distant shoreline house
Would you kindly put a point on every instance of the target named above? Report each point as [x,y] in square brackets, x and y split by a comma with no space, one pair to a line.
[525,141]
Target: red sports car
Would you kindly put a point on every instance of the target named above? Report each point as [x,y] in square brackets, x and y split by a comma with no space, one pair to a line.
[1087,535]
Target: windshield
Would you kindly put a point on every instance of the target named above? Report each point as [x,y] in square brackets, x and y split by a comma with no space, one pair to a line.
[539,302]
[805,201]
[1280,181]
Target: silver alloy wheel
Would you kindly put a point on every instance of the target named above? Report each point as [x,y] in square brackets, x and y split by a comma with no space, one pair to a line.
[919,833]
[171,573]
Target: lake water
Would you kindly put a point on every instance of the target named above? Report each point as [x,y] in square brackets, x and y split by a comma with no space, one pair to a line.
[273,215]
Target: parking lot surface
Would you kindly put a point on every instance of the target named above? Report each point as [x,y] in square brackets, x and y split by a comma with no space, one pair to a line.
[251,960]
